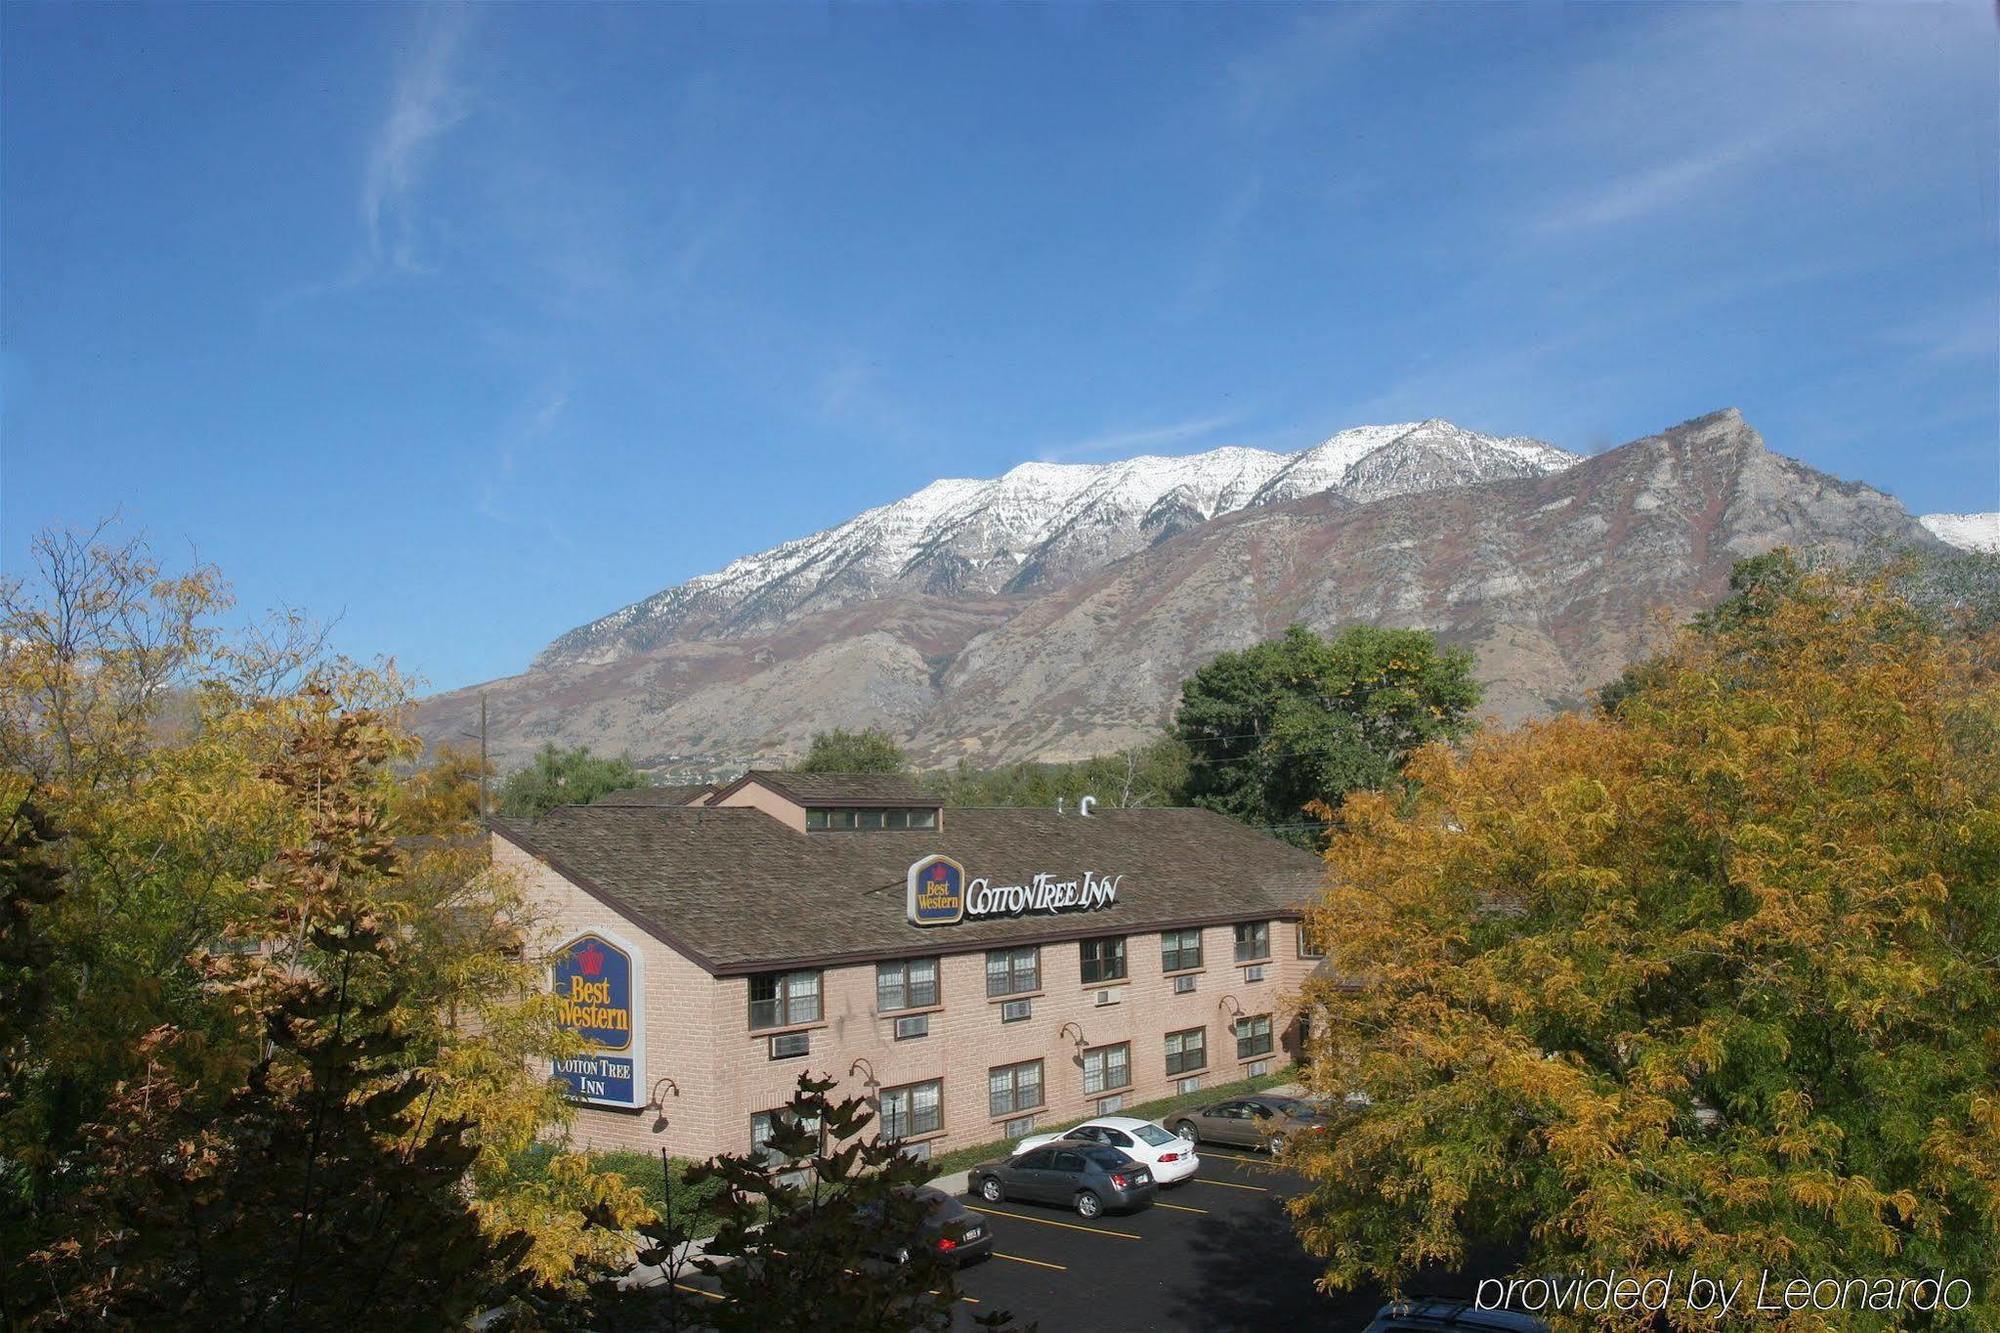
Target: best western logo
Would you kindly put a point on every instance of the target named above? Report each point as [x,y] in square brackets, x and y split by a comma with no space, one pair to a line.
[936,891]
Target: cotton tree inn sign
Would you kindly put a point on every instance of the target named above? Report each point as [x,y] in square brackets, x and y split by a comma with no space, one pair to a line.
[599,987]
[941,894]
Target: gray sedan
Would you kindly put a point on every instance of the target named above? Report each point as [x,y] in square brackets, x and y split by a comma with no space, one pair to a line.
[1087,1177]
[1262,1121]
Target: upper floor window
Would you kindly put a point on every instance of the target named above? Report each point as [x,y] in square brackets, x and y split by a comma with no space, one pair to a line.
[1180,950]
[909,984]
[784,999]
[1309,947]
[915,1109]
[1013,971]
[1103,960]
[1253,941]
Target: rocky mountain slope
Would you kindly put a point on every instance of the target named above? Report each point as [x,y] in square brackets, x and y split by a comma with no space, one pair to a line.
[1555,579]
[1040,526]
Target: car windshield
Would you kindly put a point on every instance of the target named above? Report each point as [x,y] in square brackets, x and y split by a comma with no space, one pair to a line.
[1156,1136]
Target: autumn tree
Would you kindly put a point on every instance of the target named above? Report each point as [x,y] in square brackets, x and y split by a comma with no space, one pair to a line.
[565,777]
[1302,720]
[1708,981]
[839,751]
[1154,774]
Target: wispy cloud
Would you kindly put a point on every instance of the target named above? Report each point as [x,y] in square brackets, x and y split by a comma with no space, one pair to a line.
[1268,80]
[530,434]
[1125,442]
[425,102]
[1672,184]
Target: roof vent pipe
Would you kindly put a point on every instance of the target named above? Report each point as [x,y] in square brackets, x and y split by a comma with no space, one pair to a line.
[1083,805]
[1059,805]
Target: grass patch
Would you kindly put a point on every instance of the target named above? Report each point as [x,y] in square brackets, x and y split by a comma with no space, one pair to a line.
[964,1159]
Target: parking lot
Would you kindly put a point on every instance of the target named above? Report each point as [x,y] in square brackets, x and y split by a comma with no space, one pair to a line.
[1215,1252]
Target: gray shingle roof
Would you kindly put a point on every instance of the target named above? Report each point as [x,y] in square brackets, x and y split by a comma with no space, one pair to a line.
[879,789]
[737,891]
[671,794]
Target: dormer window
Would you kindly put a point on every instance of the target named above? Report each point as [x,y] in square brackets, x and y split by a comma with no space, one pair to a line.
[834,820]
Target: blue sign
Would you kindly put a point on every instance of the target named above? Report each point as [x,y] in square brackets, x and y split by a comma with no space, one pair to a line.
[596,983]
[936,892]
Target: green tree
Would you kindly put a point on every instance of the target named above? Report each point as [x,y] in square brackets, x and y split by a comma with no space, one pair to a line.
[838,751]
[1706,982]
[565,777]
[1300,720]
[811,1228]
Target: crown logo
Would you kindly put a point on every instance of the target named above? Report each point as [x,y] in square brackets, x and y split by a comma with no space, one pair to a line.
[591,960]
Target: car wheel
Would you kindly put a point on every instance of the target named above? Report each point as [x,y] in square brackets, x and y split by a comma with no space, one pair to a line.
[1186,1130]
[1277,1144]
[989,1190]
[1088,1204]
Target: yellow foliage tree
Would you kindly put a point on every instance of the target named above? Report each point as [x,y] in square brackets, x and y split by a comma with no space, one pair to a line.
[1713,982]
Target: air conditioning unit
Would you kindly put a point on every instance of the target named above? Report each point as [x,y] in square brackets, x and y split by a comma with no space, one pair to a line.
[917,1025]
[1105,997]
[1184,985]
[1254,972]
[1112,1104]
[1190,1084]
[791,1045]
[1016,1010]
[1258,1068]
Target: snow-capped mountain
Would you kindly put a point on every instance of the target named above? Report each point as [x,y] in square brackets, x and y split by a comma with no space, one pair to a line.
[1968,532]
[1042,525]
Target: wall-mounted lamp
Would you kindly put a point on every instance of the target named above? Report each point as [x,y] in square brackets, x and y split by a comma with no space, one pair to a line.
[860,1064]
[657,1104]
[1232,1004]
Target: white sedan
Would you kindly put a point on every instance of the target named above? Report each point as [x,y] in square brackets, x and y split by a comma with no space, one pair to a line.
[1171,1157]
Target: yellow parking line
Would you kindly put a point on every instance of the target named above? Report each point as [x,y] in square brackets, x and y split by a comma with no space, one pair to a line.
[1179,1207]
[969,1300]
[1051,1222]
[1235,1157]
[699,1291]
[1039,1263]
[1231,1185]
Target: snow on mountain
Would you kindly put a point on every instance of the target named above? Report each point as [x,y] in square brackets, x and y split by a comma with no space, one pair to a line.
[1968,532]
[1041,525]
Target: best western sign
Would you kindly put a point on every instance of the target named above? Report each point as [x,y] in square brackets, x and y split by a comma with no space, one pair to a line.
[941,894]
[598,988]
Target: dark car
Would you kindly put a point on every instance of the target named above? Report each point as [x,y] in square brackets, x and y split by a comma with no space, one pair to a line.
[1431,1316]
[1263,1121]
[1088,1177]
[948,1229]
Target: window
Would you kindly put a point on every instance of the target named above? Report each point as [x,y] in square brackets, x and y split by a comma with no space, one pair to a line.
[1180,950]
[1107,1067]
[764,1123]
[781,999]
[908,1111]
[1308,946]
[1013,971]
[1012,1088]
[1253,941]
[910,984]
[843,821]
[1103,960]
[1187,1051]
[1184,984]
[1253,1036]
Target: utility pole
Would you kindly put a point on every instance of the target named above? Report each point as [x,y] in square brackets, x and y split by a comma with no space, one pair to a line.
[483,812]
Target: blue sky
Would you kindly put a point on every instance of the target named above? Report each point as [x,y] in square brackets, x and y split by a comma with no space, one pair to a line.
[468,325]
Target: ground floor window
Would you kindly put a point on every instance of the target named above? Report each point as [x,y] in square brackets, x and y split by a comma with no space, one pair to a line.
[1253,1036]
[765,1124]
[1011,1088]
[917,1108]
[1187,1051]
[1107,1067]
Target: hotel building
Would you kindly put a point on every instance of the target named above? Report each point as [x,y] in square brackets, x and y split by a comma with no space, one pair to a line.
[975,972]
